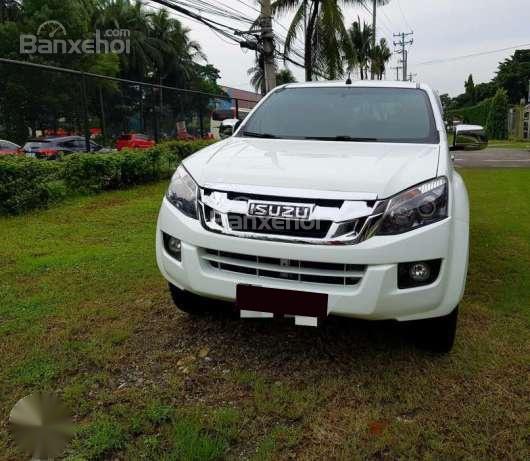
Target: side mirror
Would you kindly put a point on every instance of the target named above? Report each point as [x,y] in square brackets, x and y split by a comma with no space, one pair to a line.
[237,125]
[469,137]
[225,132]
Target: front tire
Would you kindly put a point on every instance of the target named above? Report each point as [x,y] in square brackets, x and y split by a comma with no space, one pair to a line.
[437,334]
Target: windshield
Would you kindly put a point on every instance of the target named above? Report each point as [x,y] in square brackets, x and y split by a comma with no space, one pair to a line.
[345,114]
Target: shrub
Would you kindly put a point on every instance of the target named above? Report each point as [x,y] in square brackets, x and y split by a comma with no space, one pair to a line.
[28,183]
[477,114]
[96,172]
[90,172]
[497,123]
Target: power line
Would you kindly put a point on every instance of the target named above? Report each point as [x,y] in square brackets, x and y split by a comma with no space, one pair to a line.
[472,55]
[221,28]
[403,15]
[275,21]
[370,12]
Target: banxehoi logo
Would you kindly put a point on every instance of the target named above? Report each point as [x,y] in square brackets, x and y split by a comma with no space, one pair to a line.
[51,38]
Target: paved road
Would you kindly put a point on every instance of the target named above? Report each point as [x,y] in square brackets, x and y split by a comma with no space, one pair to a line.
[493,158]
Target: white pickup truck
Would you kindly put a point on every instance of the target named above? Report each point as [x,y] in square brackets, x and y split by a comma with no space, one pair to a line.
[330,199]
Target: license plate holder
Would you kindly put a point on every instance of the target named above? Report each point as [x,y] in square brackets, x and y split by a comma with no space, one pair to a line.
[281,302]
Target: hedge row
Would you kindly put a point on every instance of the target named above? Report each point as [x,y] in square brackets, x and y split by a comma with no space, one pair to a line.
[476,115]
[27,183]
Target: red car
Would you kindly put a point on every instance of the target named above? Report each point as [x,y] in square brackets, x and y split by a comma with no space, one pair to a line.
[9,148]
[134,141]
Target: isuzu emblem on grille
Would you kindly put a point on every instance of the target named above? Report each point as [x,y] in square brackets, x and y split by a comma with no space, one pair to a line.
[279,210]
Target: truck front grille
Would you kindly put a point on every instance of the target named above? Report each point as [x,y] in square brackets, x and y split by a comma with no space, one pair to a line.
[285,269]
[328,221]
[294,228]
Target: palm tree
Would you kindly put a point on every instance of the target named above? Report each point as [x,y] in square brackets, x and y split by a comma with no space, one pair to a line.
[285,76]
[176,52]
[380,55]
[257,75]
[122,14]
[359,51]
[326,41]
[325,33]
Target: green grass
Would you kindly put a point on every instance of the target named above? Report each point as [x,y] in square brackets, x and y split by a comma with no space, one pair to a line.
[84,311]
[510,144]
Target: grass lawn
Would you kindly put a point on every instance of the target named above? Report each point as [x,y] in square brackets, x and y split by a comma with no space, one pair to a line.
[84,311]
[509,144]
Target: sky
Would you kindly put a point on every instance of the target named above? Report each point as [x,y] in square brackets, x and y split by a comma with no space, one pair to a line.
[442,29]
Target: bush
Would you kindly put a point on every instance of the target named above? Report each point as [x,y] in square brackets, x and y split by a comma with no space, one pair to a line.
[497,123]
[476,115]
[27,183]
[90,172]
[96,172]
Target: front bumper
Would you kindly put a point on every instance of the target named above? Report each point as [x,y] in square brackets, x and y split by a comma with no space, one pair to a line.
[375,296]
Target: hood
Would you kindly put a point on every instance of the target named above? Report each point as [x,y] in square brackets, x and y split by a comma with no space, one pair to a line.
[343,169]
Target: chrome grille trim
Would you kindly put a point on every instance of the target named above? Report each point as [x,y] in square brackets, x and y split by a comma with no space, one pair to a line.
[215,207]
[292,270]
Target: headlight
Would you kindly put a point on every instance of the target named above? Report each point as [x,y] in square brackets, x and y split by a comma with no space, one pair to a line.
[416,207]
[182,192]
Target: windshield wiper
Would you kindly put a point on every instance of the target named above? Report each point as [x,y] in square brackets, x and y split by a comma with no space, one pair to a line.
[251,134]
[342,138]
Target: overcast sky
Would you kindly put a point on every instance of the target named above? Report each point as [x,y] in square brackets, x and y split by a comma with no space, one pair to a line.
[442,29]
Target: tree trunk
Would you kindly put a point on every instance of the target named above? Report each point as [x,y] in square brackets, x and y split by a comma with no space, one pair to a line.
[308,55]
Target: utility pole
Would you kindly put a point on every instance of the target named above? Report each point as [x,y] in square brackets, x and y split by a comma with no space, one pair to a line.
[405,64]
[397,69]
[374,33]
[267,39]
[402,43]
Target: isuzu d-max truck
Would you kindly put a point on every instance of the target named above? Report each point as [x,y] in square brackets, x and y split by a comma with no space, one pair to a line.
[330,199]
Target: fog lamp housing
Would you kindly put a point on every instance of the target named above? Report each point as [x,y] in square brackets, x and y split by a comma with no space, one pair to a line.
[418,273]
[173,246]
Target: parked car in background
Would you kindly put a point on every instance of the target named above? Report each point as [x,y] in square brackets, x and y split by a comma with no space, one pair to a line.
[134,141]
[9,148]
[52,147]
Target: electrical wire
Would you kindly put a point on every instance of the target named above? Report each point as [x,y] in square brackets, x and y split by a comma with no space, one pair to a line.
[403,15]
[472,55]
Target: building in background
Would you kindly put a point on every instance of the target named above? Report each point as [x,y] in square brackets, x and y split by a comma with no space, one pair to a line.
[239,106]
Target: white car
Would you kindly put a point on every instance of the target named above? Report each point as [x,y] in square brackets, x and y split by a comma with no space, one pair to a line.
[331,199]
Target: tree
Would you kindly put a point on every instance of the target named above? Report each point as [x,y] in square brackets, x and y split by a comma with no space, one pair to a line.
[446,101]
[497,122]
[470,90]
[122,14]
[284,76]
[514,74]
[359,49]
[10,10]
[257,75]
[325,34]
[485,91]
[379,56]
[160,51]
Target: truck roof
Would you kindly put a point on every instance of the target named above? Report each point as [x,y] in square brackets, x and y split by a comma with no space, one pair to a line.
[358,83]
